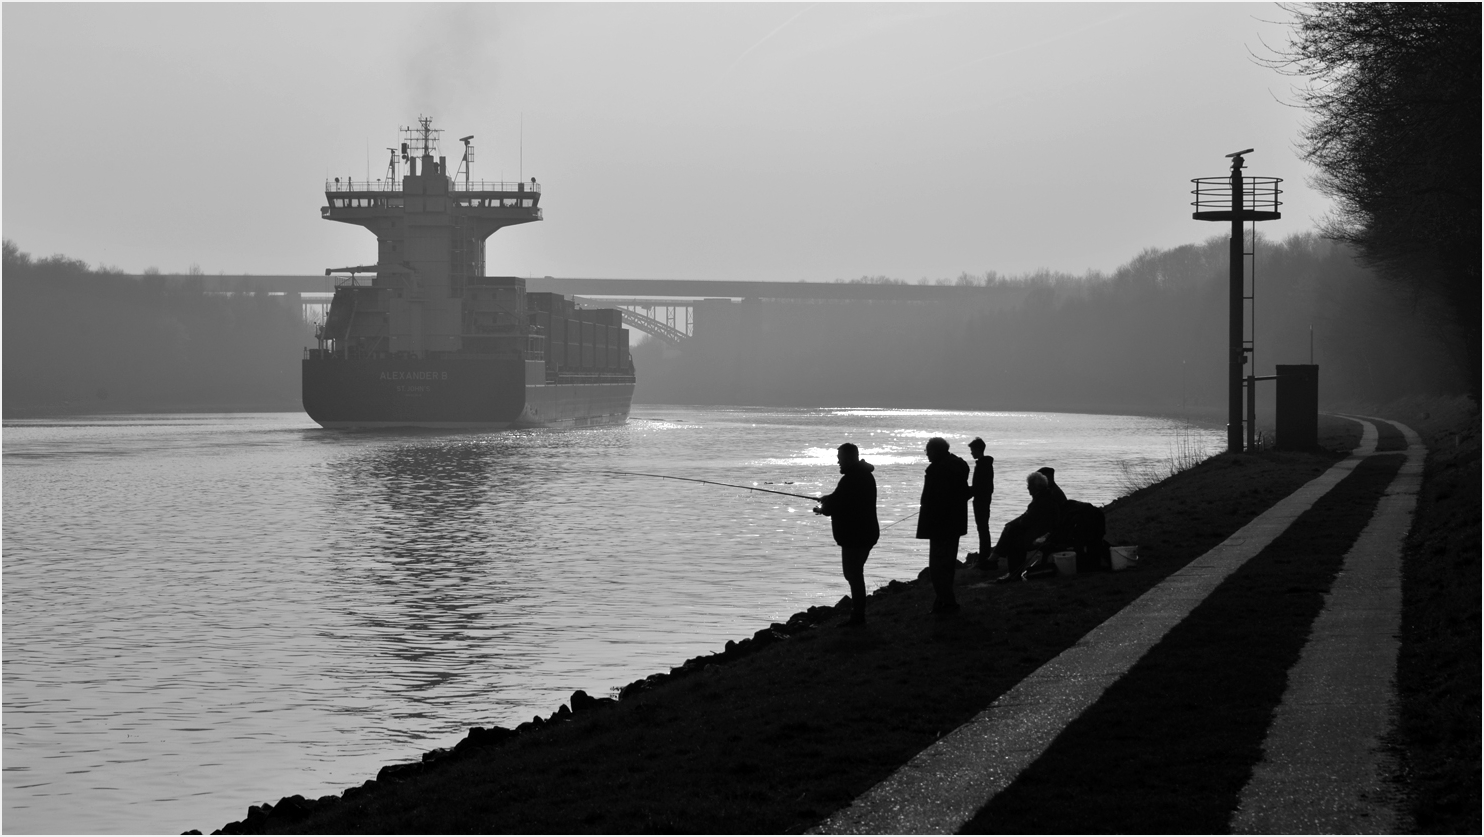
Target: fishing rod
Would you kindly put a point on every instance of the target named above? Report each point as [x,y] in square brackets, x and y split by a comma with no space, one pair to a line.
[712,482]
[745,487]
[903,520]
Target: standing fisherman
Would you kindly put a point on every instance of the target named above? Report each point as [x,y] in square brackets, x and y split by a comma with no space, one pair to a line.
[852,512]
[943,519]
[983,489]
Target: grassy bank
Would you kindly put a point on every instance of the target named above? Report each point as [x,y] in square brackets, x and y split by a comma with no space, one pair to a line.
[1438,734]
[775,732]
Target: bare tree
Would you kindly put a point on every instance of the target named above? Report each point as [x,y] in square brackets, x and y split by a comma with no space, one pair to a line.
[1394,92]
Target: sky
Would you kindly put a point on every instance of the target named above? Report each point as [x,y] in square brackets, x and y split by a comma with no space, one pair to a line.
[765,141]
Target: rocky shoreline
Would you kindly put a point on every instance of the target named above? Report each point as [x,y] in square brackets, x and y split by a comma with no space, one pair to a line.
[292,809]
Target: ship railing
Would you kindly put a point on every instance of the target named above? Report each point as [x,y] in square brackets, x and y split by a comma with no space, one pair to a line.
[338,185]
[612,376]
[497,186]
[346,185]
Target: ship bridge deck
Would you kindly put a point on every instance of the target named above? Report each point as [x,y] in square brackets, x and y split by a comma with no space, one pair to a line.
[355,188]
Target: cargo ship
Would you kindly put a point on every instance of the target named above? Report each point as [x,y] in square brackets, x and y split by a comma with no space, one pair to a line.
[422,338]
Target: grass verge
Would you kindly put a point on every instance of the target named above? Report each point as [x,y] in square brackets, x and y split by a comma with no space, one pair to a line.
[1438,731]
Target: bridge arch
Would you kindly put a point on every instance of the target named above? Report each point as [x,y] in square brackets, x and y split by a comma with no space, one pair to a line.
[654,328]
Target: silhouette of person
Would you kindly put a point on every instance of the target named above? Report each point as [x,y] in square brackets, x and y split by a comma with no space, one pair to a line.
[1057,494]
[1039,518]
[983,490]
[852,512]
[943,519]
[1080,526]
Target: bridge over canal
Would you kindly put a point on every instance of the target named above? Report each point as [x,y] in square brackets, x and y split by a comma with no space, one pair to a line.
[667,309]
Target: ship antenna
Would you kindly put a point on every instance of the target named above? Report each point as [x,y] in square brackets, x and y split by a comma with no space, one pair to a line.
[522,146]
[427,132]
[468,158]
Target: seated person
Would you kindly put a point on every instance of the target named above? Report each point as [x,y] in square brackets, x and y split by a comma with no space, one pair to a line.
[1039,518]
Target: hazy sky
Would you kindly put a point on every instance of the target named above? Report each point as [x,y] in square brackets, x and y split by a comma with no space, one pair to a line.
[710,141]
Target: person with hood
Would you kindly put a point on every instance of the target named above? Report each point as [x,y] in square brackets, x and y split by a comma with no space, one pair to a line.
[983,489]
[852,512]
[1047,504]
[1058,497]
[943,518]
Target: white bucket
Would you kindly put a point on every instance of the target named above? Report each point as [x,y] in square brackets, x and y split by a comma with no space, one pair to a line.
[1066,562]
[1124,556]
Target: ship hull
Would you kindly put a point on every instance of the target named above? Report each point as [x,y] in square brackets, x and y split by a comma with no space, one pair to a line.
[455,394]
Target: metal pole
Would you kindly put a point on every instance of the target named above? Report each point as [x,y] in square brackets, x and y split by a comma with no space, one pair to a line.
[1251,413]
[1237,357]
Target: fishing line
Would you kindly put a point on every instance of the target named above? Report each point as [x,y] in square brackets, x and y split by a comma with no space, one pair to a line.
[713,482]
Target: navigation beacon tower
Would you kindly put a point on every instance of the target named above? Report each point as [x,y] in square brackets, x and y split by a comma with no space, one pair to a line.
[1239,200]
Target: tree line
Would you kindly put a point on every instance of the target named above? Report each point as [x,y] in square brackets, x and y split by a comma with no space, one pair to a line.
[80,340]
[1149,337]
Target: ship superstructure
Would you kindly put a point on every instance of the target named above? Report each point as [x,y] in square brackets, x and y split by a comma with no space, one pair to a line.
[423,337]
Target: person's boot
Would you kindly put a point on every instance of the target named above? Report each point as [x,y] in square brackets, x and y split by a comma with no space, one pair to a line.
[993,563]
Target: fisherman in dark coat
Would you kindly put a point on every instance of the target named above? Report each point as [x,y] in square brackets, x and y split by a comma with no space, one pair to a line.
[983,489]
[1040,517]
[852,512]
[943,519]
[1058,497]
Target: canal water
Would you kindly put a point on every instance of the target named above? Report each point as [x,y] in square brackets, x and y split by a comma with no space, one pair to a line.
[203,612]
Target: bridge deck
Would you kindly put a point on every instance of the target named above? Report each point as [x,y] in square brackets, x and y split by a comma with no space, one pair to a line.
[653,290]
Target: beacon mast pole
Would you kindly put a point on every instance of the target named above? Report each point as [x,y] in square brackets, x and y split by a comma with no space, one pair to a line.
[1237,353]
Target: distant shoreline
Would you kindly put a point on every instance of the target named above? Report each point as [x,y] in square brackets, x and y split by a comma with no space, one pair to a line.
[53,411]
[1209,416]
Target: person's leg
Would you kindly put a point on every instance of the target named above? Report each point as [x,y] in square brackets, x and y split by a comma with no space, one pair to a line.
[853,561]
[1013,543]
[942,563]
[981,524]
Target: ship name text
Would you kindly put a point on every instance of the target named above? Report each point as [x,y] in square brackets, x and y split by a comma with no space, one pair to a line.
[414,376]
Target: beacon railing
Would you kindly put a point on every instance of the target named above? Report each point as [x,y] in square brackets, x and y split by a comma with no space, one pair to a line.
[1214,195]
[454,185]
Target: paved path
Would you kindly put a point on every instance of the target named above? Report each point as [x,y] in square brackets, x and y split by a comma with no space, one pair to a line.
[1323,770]
[944,786]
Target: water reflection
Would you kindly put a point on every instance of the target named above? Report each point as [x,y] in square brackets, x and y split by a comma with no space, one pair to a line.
[430,563]
[251,607]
